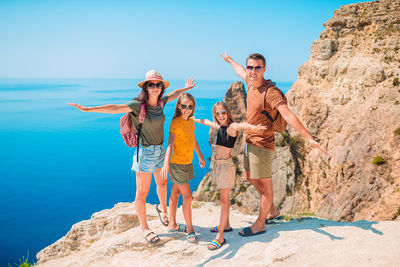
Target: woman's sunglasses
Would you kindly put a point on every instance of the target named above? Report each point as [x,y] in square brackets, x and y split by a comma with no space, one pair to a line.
[152,85]
[186,106]
[223,112]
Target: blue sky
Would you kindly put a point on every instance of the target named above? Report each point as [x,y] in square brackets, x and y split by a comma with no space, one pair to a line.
[124,39]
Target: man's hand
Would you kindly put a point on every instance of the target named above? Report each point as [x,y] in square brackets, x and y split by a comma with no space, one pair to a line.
[226,57]
[202,162]
[317,145]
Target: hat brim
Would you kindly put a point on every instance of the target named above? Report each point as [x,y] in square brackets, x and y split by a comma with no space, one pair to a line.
[166,84]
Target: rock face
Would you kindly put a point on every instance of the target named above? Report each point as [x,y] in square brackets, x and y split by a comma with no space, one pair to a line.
[348,97]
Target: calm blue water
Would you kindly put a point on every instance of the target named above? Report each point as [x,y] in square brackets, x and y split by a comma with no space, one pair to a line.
[60,165]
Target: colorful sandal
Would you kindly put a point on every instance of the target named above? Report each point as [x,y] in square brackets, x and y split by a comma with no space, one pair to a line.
[215,229]
[215,244]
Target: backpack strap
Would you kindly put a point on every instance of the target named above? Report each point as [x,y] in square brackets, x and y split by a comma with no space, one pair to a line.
[265,112]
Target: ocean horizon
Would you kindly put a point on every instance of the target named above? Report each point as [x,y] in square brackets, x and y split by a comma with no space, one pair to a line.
[60,165]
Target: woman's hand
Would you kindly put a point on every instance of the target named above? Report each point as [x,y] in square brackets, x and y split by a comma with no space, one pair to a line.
[80,107]
[164,172]
[189,83]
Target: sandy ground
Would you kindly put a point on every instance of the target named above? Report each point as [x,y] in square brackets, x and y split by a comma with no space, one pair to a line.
[300,242]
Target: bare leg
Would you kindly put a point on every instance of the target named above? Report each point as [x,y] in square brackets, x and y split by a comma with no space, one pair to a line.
[173,205]
[143,181]
[273,213]
[187,205]
[161,191]
[265,185]
[224,219]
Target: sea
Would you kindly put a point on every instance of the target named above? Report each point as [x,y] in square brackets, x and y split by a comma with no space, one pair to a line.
[60,165]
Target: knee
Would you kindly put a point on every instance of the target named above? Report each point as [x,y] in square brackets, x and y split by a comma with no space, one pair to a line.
[141,195]
[187,198]
[161,183]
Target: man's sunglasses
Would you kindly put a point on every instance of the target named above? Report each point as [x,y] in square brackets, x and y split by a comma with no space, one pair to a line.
[152,85]
[258,68]
[186,106]
[223,112]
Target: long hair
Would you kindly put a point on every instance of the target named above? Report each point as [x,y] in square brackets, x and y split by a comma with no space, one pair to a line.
[144,94]
[178,112]
[224,106]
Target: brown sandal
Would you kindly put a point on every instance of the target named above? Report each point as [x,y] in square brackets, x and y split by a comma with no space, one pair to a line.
[163,216]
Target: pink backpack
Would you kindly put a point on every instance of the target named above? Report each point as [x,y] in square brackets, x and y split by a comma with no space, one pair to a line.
[131,138]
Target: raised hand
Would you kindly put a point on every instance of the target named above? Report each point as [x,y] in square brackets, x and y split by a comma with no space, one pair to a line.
[317,145]
[226,57]
[189,83]
[80,107]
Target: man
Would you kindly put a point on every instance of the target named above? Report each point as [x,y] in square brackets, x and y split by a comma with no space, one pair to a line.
[261,145]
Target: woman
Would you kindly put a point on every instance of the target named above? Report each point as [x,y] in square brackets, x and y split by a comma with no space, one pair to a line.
[151,151]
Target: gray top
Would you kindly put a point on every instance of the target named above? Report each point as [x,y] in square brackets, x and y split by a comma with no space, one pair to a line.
[153,125]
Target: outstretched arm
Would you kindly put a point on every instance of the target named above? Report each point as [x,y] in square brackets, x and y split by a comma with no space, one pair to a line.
[246,126]
[189,84]
[240,71]
[206,122]
[202,162]
[292,119]
[165,169]
[112,109]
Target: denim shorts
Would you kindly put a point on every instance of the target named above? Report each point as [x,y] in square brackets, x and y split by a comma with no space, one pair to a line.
[151,158]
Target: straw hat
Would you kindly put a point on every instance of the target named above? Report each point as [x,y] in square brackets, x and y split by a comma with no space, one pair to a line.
[152,75]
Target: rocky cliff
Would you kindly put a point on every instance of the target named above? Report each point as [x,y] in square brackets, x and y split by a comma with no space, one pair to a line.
[348,96]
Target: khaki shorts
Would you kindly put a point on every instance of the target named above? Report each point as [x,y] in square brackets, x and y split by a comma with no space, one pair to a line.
[224,173]
[181,173]
[258,161]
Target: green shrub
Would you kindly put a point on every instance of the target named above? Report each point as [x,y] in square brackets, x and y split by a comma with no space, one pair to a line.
[242,188]
[396,82]
[378,160]
[22,262]
[218,195]
[397,131]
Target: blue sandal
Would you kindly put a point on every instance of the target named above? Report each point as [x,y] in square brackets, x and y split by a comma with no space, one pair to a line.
[215,229]
[247,232]
[191,236]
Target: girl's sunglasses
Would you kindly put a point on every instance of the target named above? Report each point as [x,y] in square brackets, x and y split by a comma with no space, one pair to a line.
[223,112]
[186,106]
[152,85]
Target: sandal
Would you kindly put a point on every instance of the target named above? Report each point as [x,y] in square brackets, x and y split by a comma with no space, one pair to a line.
[215,229]
[215,244]
[163,216]
[151,237]
[192,237]
[181,228]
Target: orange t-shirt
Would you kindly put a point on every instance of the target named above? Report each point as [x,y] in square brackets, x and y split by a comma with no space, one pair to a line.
[267,97]
[184,140]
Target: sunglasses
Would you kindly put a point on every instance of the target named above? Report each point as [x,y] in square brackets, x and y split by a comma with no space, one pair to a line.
[152,85]
[258,68]
[186,106]
[223,112]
